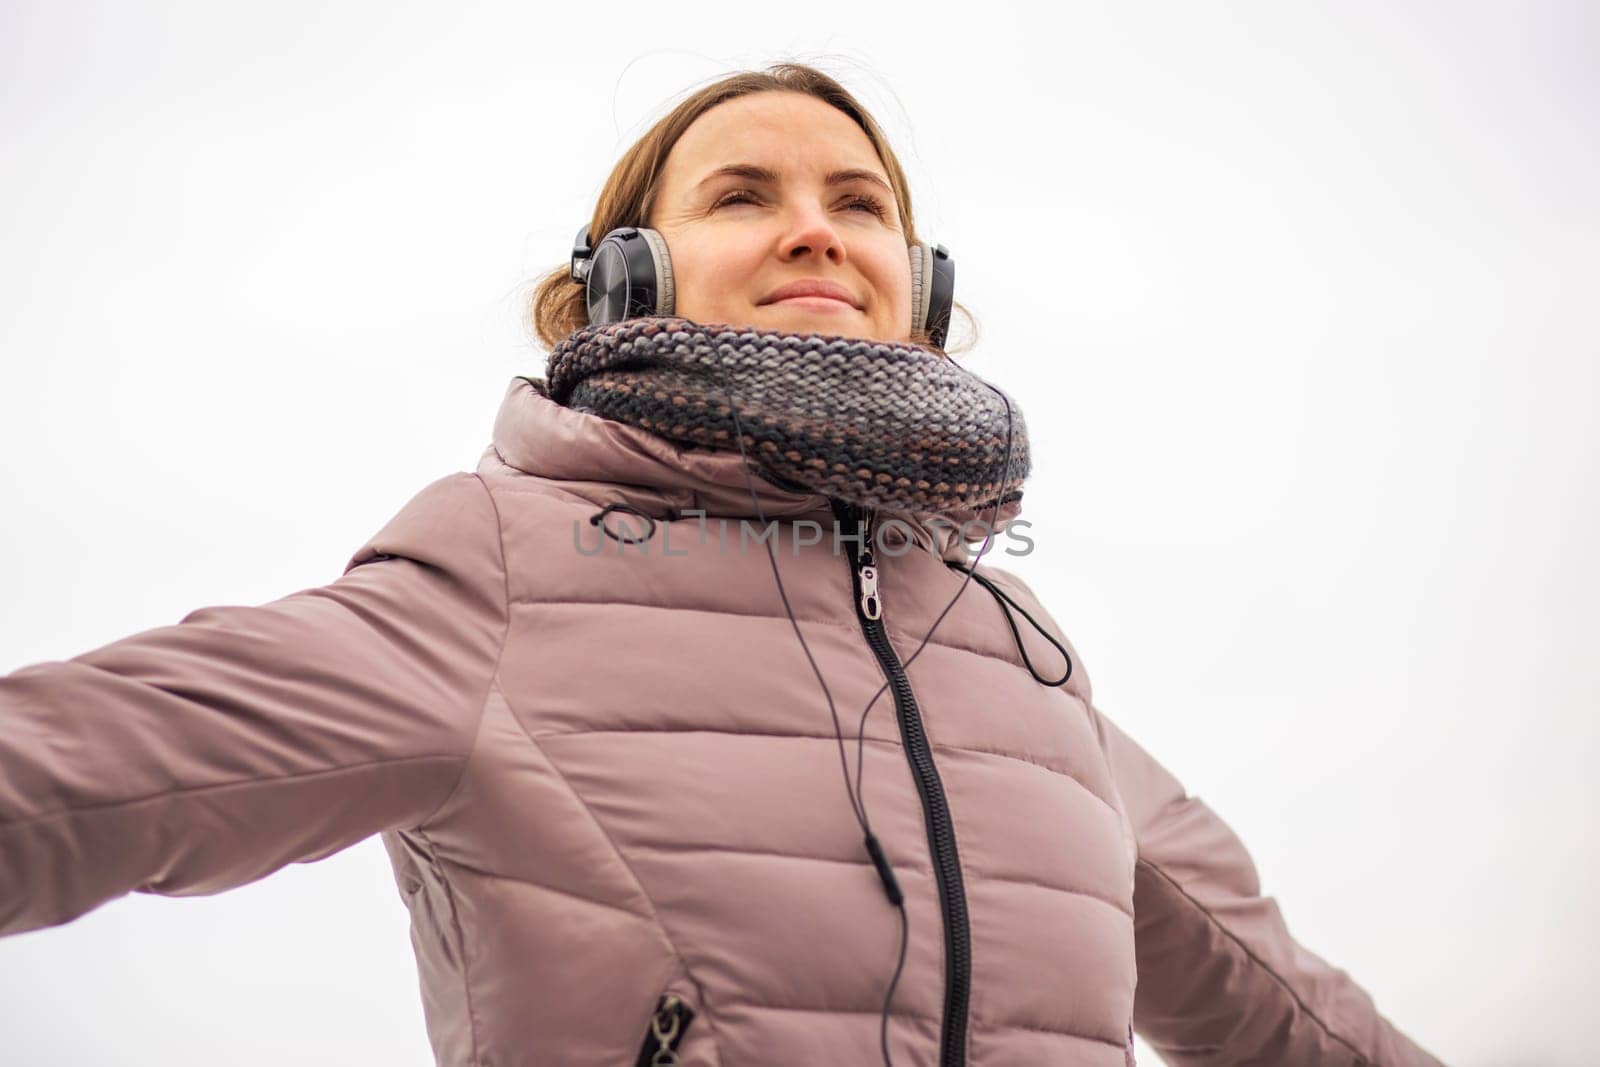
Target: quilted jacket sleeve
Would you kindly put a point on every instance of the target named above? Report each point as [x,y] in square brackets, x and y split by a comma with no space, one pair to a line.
[1221,981]
[197,757]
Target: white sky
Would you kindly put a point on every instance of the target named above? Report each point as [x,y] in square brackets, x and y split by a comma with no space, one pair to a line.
[1290,295]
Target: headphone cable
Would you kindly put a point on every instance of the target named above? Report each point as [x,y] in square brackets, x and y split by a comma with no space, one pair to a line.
[874,849]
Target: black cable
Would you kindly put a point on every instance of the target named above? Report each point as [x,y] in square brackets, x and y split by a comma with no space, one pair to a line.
[1001,598]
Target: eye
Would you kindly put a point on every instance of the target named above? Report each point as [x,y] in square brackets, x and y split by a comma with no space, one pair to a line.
[871,203]
[736,197]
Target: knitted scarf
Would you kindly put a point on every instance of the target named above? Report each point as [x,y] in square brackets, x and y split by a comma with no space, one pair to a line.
[886,425]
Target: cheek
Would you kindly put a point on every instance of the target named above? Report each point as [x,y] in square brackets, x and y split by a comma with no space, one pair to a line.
[892,280]
[709,276]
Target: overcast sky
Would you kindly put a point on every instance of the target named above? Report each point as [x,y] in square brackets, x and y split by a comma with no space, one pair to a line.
[1297,299]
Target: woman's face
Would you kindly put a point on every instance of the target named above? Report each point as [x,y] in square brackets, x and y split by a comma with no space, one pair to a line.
[806,200]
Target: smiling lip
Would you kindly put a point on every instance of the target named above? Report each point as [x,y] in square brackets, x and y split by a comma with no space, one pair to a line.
[812,289]
[821,303]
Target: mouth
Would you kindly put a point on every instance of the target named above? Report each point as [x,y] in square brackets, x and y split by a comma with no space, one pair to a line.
[817,293]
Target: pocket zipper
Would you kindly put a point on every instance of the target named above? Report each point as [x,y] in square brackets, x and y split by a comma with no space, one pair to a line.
[667,1026]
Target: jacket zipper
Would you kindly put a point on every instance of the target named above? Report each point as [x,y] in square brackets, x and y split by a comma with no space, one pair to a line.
[935,808]
[672,1017]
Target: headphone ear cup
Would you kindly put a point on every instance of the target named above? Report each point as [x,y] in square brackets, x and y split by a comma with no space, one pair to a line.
[661,259]
[629,275]
[921,257]
[933,288]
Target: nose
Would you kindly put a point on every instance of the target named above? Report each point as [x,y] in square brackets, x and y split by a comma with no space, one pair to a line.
[811,232]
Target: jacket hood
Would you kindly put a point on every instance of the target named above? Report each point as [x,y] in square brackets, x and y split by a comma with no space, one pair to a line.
[606,461]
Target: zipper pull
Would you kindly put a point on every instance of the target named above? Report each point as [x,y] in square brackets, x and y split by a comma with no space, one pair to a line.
[871,606]
[665,1028]
[668,1023]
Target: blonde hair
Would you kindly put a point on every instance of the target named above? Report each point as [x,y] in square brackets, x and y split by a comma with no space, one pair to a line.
[558,306]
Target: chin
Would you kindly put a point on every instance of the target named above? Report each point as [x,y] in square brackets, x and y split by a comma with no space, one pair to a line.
[849,323]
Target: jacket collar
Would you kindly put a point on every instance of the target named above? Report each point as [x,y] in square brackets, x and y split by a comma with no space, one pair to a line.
[606,461]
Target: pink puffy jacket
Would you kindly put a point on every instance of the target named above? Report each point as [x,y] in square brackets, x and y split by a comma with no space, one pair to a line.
[614,798]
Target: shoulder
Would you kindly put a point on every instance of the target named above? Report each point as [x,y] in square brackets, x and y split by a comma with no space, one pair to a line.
[447,520]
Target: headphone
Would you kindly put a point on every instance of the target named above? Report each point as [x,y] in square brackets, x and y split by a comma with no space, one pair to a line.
[630,274]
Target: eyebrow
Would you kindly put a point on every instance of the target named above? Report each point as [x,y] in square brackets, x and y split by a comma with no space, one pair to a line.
[755,172]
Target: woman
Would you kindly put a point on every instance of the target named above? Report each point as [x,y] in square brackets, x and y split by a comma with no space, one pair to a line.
[603,735]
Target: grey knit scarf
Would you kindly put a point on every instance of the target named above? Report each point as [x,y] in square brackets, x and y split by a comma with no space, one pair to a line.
[887,425]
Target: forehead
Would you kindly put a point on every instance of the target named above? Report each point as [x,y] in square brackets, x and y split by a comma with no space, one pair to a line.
[792,133]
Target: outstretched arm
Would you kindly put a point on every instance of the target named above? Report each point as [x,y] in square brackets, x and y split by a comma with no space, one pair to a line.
[1220,978]
[193,758]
